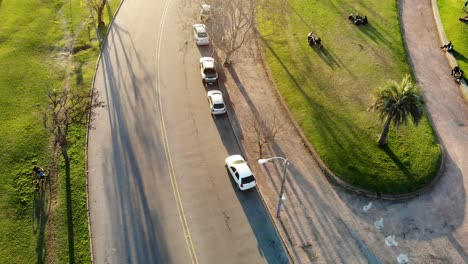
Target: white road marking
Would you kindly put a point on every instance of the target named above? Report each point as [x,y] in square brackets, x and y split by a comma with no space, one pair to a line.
[367,207]
[402,259]
[379,224]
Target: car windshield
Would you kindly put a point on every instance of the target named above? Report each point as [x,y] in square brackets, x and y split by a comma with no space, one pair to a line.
[210,72]
[218,106]
[248,179]
[202,35]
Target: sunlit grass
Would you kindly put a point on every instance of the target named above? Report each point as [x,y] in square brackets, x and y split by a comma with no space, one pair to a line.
[329,90]
[33,55]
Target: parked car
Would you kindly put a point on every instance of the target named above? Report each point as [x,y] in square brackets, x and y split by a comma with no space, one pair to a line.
[200,34]
[240,172]
[217,106]
[205,13]
[208,70]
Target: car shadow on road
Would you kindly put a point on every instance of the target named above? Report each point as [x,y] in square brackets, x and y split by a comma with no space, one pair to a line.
[269,242]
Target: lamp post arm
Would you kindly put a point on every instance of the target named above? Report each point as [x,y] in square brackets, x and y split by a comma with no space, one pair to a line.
[272,158]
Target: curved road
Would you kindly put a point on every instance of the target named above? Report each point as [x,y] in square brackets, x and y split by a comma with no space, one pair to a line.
[158,189]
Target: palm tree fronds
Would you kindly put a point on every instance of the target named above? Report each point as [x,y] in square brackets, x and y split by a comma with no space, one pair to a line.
[397,103]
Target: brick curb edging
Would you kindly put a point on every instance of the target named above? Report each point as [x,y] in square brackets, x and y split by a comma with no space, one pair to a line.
[443,39]
[89,127]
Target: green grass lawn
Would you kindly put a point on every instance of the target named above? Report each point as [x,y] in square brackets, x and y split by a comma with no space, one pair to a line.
[456,31]
[329,90]
[33,55]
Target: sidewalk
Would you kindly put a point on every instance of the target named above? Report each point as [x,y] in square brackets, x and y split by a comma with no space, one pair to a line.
[322,223]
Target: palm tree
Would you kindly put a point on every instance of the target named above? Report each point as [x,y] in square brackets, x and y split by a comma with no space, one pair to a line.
[397,102]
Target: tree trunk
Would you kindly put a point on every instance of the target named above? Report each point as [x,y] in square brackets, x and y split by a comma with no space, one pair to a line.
[100,14]
[101,23]
[386,128]
[227,60]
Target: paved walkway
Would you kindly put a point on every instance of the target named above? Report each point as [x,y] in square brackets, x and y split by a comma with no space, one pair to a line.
[322,223]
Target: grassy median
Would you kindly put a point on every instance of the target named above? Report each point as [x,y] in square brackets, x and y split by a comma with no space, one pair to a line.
[329,90]
[43,44]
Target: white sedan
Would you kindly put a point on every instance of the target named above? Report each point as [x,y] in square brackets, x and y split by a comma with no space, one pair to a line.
[200,34]
[217,106]
[240,172]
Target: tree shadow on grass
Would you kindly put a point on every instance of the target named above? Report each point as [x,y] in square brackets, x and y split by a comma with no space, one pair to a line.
[41,211]
[71,239]
[398,162]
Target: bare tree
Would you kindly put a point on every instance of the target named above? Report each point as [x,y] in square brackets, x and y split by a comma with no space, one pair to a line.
[231,24]
[263,130]
[67,108]
[98,7]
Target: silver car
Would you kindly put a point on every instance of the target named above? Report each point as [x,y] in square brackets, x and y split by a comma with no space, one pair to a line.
[217,106]
[200,34]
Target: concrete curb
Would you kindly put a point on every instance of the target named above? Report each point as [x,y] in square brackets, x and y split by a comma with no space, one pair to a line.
[234,128]
[443,38]
[262,197]
[87,132]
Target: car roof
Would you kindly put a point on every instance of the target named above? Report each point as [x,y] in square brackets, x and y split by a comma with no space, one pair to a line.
[200,28]
[208,62]
[242,168]
[216,97]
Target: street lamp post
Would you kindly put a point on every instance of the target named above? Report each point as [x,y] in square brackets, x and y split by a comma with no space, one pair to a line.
[285,168]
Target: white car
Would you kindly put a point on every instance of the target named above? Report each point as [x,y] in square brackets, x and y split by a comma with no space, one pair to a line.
[217,106]
[240,172]
[200,34]
[205,13]
[208,70]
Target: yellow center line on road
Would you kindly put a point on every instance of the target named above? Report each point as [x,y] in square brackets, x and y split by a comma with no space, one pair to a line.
[175,188]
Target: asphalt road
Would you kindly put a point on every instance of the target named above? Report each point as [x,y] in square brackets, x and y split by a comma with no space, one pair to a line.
[158,188]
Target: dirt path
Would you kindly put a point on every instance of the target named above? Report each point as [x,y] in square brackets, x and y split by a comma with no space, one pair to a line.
[325,224]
